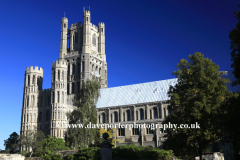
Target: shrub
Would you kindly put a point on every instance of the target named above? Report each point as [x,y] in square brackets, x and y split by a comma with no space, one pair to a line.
[90,153]
[51,156]
[70,157]
[133,152]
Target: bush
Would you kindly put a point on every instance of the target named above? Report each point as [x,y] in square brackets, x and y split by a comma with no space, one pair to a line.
[125,152]
[70,157]
[133,152]
[90,153]
[51,156]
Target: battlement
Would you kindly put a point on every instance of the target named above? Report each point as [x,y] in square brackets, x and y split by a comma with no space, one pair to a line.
[95,27]
[101,25]
[47,90]
[60,63]
[87,13]
[35,70]
[75,25]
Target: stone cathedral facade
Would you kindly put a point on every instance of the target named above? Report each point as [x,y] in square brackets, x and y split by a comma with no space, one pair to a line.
[81,57]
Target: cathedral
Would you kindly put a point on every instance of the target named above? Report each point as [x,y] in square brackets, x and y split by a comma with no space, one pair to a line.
[81,57]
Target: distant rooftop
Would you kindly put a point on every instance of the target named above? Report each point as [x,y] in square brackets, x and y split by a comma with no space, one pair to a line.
[137,93]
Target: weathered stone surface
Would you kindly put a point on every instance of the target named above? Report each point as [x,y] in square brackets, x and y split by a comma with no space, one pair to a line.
[12,157]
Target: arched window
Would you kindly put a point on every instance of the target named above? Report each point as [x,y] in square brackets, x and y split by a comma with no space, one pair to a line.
[164,110]
[83,66]
[58,75]
[58,115]
[53,97]
[64,25]
[136,115]
[27,118]
[75,38]
[150,114]
[103,118]
[73,69]
[111,118]
[78,86]
[72,87]
[28,101]
[33,80]
[128,115]
[141,114]
[68,69]
[30,117]
[62,75]
[47,115]
[40,116]
[160,113]
[58,97]
[121,132]
[123,116]
[115,117]
[155,113]
[28,80]
[33,102]
[68,88]
[94,39]
[78,68]
[53,75]
[62,97]
[24,118]
[99,71]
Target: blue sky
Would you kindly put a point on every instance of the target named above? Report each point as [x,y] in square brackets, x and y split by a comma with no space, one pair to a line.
[145,39]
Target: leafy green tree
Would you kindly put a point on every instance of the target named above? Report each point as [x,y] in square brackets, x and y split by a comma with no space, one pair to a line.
[33,141]
[233,111]
[235,46]
[197,97]
[12,143]
[54,144]
[84,113]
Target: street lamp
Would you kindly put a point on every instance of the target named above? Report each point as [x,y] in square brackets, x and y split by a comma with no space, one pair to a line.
[196,145]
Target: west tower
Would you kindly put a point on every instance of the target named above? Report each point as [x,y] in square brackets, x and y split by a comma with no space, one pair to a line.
[81,57]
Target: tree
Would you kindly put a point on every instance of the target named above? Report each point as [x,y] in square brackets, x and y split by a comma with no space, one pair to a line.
[111,133]
[197,97]
[33,141]
[233,109]
[235,46]
[12,143]
[84,113]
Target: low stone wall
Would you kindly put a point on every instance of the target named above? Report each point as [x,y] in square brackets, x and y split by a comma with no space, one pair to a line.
[66,152]
[33,158]
[12,157]
[213,156]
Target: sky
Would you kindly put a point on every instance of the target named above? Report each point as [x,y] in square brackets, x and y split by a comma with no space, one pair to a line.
[145,39]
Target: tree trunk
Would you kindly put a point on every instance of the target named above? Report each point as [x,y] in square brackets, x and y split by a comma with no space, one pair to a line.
[31,154]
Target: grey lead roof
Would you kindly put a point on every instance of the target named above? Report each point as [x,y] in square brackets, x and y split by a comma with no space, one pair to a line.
[137,93]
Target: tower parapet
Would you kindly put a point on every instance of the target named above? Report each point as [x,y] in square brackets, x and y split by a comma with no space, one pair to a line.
[59,63]
[35,70]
